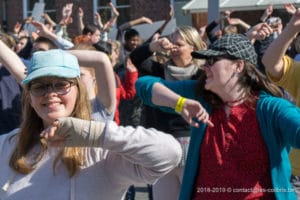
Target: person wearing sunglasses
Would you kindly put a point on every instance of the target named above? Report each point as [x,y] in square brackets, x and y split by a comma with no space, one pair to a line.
[84,159]
[242,128]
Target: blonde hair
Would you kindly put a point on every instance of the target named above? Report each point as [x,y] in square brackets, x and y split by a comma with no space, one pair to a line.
[191,36]
[28,137]
[7,39]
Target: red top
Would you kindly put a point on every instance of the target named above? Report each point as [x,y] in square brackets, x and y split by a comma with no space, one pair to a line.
[125,91]
[234,162]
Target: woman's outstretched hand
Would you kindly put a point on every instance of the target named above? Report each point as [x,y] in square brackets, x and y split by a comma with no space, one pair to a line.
[193,111]
[51,137]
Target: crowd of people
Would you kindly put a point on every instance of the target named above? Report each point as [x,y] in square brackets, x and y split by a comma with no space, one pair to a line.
[197,114]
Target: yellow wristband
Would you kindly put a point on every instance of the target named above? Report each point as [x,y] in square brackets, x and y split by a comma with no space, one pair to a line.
[179,104]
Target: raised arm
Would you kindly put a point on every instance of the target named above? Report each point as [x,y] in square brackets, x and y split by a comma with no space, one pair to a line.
[45,32]
[104,75]
[238,21]
[259,32]
[163,26]
[290,8]
[80,24]
[267,13]
[141,20]
[48,19]
[12,62]
[272,58]
[115,14]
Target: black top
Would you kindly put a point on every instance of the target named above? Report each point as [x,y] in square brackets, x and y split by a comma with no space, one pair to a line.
[10,102]
[153,117]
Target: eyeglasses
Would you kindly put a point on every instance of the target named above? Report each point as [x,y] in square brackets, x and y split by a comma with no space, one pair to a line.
[60,87]
[212,60]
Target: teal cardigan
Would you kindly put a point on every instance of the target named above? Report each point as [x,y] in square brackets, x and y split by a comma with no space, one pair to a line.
[279,121]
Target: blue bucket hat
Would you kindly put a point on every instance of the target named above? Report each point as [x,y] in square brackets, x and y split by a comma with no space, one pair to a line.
[55,62]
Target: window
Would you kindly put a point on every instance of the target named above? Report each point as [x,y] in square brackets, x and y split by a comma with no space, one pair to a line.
[49,7]
[122,6]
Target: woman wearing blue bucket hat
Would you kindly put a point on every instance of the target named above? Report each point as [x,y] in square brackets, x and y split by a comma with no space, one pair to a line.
[242,129]
[84,159]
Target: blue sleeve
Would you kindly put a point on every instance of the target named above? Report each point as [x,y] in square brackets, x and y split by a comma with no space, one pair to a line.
[288,121]
[144,89]
[281,120]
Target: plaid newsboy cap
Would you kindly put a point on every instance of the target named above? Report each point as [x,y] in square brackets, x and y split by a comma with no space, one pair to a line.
[233,45]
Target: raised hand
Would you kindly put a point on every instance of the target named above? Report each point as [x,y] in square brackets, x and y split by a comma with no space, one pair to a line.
[47,18]
[80,12]
[259,31]
[42,30]
[98,20]
[17,27]
[70,132]
[67,10]
[294,23]
[49,135]
[171,13]
[66,14]
[162,44]
[113,9]
[268,11]
[290,8]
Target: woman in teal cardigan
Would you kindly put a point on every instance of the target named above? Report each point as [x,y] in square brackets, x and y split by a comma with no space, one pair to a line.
[242,129]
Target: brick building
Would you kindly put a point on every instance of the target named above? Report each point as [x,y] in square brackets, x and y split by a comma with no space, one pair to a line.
[17,10]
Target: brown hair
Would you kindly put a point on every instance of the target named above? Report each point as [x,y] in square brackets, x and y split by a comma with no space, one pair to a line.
[28,137]
[251,79]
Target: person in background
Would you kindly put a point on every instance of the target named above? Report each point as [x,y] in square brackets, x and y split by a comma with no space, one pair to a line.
[43,44]
[126,90]
[104,28]
[225,24]
[242,129]
[92,33]
[180,66]
[23,47]
[10,94]
[90,160]
[285,72]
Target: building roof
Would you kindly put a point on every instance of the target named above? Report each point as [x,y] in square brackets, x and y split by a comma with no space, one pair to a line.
[201,6]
